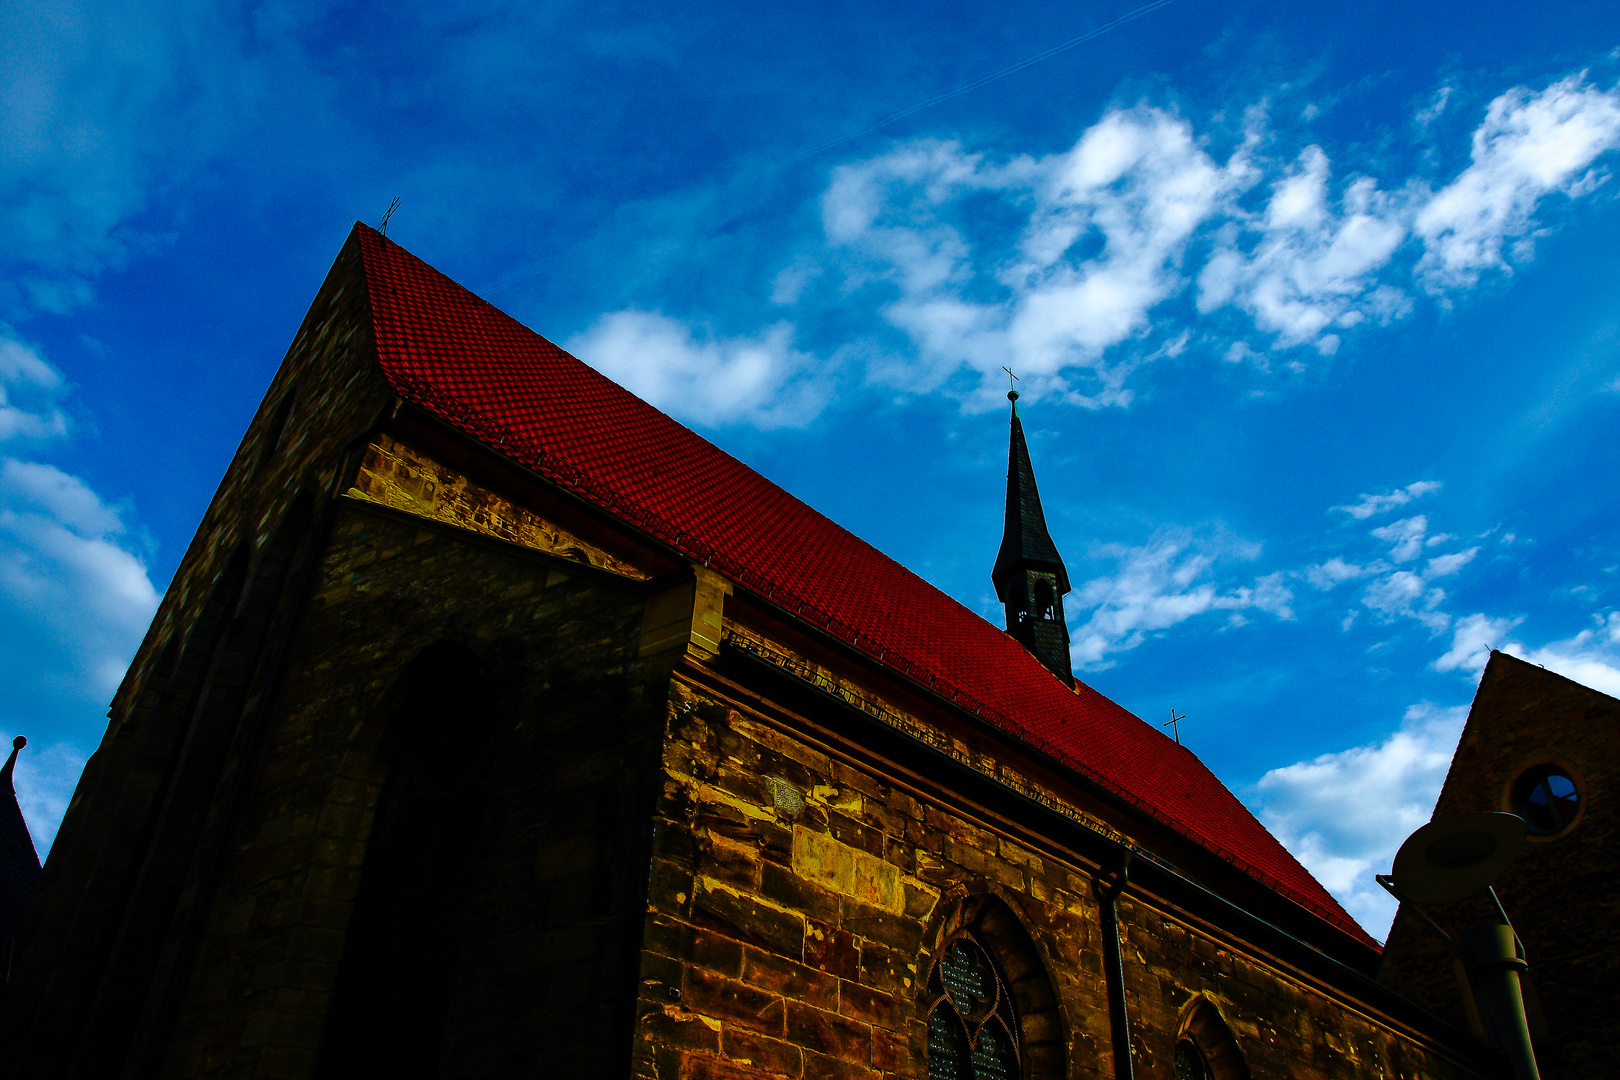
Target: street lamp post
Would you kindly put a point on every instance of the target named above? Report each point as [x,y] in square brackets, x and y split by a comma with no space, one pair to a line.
[1451,859]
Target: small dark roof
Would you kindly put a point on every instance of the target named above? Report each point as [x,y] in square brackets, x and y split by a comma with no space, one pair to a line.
[483,372]
[1024,539]
[19,862]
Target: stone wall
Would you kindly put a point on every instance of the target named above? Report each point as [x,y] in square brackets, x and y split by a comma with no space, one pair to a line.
[547,958]
[798,899]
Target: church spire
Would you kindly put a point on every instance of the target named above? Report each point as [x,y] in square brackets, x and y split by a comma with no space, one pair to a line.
[1029,574]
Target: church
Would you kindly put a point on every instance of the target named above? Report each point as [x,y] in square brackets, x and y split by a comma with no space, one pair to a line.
[497,725]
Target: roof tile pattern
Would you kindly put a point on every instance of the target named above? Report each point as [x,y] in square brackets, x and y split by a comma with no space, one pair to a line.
[496,380]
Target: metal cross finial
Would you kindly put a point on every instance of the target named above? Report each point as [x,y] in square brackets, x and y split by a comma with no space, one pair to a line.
[1010,376]
[391,208]
[1174,724]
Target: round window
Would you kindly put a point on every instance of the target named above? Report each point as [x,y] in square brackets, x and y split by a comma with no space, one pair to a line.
[1546,797]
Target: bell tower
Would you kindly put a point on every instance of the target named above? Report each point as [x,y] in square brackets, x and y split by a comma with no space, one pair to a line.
[1029,575]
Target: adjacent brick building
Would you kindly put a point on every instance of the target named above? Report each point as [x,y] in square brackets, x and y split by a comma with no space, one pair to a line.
[496,725]
[1548,749]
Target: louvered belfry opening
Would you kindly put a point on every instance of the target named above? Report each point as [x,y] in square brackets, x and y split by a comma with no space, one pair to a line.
[399,963]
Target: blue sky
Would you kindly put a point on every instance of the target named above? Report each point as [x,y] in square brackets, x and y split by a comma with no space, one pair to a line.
[1313,311]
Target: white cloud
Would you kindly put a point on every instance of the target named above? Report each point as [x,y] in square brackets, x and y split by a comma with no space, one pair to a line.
[1436,107]
[1064,265]
[74,603]
[29,387]
[1345,814]
[762,380]
[1138,185]
[45,778]
[1303,267]
[1529,146]
[1405,593]
[75,598]
[1405,537]
[1163,583]
[1394,589]
[1372,505]
[67,579]
[1105,230]
[1335,571]
[1443,565]
[1105,226]
[1591,657]
[71,588]
[1472,640]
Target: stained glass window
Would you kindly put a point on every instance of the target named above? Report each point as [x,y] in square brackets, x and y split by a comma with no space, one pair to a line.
[972,1030]
[1189,1062]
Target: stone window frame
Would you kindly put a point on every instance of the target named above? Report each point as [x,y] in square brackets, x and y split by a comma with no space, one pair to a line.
[1206,1029]
[1509,796]
[1024,970]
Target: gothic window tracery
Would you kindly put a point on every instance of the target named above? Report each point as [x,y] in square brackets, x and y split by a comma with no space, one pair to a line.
[972,1026]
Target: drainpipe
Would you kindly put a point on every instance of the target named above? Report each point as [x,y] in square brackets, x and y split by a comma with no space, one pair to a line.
[1114,968]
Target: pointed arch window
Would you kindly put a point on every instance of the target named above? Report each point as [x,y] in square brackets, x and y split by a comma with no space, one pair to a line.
[972,1025]
[391,1005]
[1205,1049]
[278,426]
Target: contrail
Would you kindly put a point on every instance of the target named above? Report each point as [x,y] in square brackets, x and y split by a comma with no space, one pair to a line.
[1089,35]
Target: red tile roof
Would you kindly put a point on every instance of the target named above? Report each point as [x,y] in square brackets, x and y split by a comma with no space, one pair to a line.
[511,389]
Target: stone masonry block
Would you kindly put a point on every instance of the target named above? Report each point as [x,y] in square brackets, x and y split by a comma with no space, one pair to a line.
[748,919]
[785,886]
[704,1067]
[720,954]
[732,862]
[774,1056]
[793,980]
[828,1033]
[831,1068]
[871,1006]
[729,1000]
[832,949]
